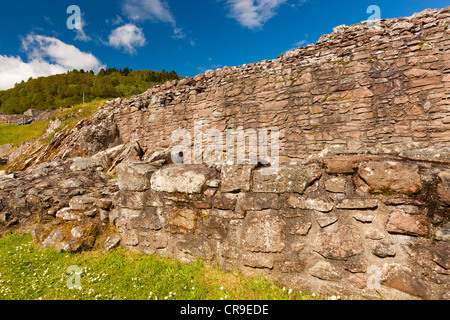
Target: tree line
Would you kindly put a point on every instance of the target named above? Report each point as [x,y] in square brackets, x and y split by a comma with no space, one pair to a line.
[67,89]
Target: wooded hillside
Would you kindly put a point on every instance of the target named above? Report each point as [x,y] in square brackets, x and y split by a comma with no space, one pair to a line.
[67,89]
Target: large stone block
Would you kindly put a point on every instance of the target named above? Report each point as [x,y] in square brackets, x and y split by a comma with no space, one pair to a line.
[258,202]
[134,176]
[403,223]
[340,245]
[264,231]
[285,179]
[181,178]
[402,278]
[391,177]
[148,220]
[322,205]
[181,220]
[257,260]
[236,177]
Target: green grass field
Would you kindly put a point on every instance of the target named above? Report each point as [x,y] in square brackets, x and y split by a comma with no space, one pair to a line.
[17,134]
[29,273]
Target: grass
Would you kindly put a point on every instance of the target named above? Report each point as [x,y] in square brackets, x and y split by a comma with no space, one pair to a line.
[29,273]
[17,134]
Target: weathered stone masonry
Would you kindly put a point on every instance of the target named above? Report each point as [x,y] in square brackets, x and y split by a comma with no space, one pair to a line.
[380,90]
[360,204]
[323,227]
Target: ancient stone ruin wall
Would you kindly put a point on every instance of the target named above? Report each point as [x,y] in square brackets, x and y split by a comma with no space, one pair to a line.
[354,226]
[359,206]
[371,90]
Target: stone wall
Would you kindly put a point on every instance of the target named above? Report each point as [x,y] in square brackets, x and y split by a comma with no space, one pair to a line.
[36,115]
[372,90]
[378,91]
[337,225]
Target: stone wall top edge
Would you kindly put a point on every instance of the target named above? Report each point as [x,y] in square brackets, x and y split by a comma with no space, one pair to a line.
[203,78]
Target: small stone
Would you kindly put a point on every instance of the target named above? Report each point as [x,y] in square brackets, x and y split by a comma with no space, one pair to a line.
[374,235]
[91,213]
[324,219]
[80,164]
[301,229]
[325,271]
[67,214]
[82,203]
[443,233]
[336,185]
[213,183]
[384,249]
[444,187]
[182,220]
[364,218]
[341,165]
[355,266]
[259,261]
[111,242]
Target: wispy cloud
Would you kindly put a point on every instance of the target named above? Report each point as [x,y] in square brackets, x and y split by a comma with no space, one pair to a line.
[141,10]
[300,43]
[128,38]
[80,33]
[116,21]
[152,10]
[45,56]
[253,14]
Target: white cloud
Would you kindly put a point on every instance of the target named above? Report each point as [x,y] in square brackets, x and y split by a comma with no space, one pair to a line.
[46,56]
[60,53]
[127,37]
[253,14]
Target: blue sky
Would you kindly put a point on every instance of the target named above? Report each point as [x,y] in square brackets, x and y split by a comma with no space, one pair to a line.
[186,36]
